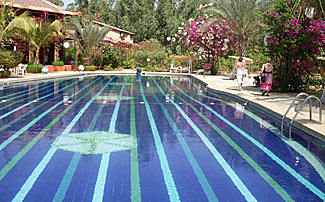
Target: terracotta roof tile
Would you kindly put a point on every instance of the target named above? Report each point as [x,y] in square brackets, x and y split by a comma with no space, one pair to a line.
[40,5]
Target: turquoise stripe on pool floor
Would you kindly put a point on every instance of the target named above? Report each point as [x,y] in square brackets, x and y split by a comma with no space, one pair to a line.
[22,130]
[24,105]
[102,173]
[229,171]
[301,179]
[169,181]
[41,166]
[190,157]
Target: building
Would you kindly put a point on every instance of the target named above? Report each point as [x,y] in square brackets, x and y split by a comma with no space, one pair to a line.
[116,35]
[36,8]
[48,54]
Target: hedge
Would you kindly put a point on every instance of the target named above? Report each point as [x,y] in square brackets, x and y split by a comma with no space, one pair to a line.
[58,63]
[34,68]
[91,68]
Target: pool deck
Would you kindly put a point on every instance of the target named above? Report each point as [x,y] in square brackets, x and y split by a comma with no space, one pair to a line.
[276,102]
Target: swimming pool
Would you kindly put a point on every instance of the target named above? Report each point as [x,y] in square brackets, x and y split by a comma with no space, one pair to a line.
[133,138]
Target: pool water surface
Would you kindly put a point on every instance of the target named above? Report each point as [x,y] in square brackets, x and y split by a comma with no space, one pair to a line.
[149,138]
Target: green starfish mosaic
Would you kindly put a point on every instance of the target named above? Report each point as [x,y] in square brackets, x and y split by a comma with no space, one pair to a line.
[95,142]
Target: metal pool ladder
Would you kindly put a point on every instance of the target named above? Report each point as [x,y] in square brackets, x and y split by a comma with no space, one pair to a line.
[309,97]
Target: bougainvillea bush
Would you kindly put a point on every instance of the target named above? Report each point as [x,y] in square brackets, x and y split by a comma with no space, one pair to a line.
[293,43]
[208,40]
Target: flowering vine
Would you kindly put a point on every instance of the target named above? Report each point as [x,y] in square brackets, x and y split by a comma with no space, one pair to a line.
[294,41]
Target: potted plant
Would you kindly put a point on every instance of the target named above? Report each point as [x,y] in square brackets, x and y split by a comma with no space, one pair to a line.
[59,65]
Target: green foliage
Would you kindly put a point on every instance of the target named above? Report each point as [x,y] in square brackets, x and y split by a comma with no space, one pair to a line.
[316,83]
[5,74]
[34,68]
[108,67]
[41,34]
[57,2]
[128,63]
[58,63]
[294,42]
[153,50]
[88,36]
[147,19]
[243,16]
[91,68]
[130,56]
[10,59]
[69,54]
[12,26]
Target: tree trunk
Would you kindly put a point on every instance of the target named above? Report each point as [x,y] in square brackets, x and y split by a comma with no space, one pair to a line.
[36,59]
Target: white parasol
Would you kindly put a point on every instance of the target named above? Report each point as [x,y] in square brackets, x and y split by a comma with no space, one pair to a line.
[247,60]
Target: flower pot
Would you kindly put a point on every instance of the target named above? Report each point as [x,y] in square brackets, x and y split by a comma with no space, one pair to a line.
[59,68]
[51,68]
[68,67]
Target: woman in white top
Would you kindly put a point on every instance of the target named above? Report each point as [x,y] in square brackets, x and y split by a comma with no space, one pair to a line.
[240,67]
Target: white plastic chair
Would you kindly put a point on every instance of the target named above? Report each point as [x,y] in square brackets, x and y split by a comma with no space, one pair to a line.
[173,68]
[21,69]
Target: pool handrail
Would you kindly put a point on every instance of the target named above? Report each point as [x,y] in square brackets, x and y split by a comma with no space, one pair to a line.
[310,111]
[287,111]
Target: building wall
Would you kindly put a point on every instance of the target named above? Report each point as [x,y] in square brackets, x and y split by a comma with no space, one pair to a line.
[116,36]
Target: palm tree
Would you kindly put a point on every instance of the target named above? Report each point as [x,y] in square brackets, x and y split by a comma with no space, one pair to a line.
[57,2]
[87,36]
[11,25]
[41,34]
[242,14]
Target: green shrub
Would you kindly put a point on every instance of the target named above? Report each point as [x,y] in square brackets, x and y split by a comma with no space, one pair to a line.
[69,54]
[4,74]
[108,67]
[58,63]
[34,68]
[317,83]
[10,59]
[91,68]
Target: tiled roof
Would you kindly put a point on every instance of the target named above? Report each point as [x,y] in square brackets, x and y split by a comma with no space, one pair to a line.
[38,5]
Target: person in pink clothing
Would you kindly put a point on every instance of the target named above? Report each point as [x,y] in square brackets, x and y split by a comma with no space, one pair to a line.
[266,77]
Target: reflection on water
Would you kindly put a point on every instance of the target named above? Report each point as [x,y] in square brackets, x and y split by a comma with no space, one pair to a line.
[239,112]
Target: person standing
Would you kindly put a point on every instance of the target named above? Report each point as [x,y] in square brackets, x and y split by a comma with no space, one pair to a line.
[240,67]
[266,77]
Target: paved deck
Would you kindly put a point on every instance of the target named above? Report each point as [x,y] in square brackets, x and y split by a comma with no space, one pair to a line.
[276,102]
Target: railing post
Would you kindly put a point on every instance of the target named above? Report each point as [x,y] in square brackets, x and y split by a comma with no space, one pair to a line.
[310,110]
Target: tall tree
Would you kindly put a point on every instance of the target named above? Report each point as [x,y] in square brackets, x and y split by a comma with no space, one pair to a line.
[167,20]
[88,35]
[57,2]
[70,7]
[41,34]
[11,25]
[242,14]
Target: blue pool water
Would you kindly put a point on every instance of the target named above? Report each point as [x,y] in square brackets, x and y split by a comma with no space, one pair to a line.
[131,138]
